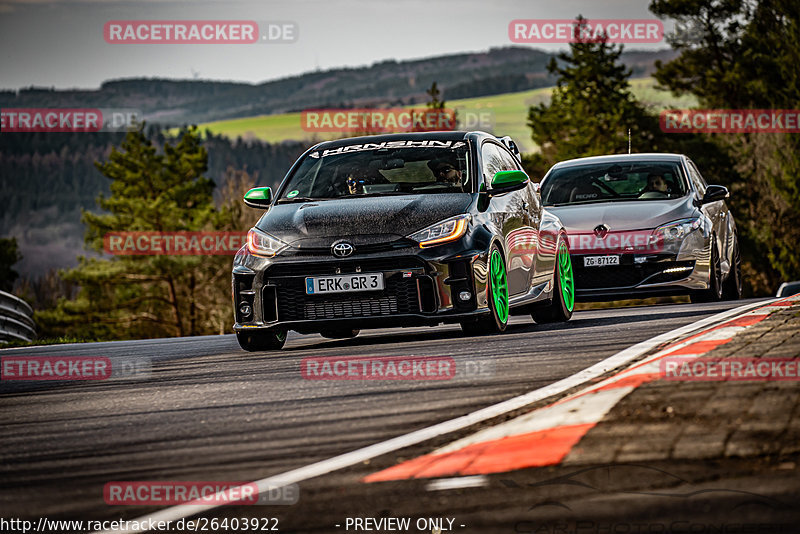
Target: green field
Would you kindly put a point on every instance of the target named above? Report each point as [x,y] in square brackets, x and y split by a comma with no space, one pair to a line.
[508,115]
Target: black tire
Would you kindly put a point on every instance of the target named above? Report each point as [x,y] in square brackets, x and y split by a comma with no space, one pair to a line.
[340,334]
[558,310]
[494,322]
[714,291]
[732,288]
[260,341]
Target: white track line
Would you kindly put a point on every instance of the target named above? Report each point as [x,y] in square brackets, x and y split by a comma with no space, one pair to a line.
[579,410]
[457,483]
[323,467]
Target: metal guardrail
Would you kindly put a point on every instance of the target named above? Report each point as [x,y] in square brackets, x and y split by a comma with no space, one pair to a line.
[788,289]
[16,319]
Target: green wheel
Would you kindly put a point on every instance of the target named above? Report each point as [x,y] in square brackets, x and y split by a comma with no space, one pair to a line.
[497,293]
[563,301]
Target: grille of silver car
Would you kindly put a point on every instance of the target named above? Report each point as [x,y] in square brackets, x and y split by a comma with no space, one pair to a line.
[627,276]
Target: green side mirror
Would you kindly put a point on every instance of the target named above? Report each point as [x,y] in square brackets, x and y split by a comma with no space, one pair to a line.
[509,180]
[258,197]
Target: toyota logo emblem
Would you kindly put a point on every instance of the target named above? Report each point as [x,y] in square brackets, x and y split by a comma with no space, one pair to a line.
[342,249]
[601,230]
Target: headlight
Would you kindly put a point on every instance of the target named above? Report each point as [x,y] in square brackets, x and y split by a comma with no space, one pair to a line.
[442,232]
[263,244]
[675,231]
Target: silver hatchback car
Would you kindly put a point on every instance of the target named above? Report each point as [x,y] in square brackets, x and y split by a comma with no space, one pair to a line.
[643,225]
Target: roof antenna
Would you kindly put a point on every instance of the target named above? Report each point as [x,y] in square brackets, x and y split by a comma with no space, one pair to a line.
[629,140]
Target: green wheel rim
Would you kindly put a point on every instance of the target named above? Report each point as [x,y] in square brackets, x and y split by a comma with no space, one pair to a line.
[499,286]
[565,276]
[280,336]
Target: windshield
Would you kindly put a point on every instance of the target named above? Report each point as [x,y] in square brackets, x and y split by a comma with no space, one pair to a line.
[375,169]
[643,180]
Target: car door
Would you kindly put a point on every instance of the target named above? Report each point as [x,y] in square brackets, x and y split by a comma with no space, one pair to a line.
[720,218]
[511,215]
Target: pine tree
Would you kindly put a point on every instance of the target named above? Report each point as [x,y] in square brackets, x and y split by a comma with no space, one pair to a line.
[9,255]
[591,108]
[745,55]
[147,296]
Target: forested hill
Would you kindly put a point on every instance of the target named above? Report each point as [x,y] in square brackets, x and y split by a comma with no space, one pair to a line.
[46,179]
[178,102]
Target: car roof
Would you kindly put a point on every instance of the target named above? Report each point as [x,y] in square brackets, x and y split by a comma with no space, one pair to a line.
[447,135]
[619,158]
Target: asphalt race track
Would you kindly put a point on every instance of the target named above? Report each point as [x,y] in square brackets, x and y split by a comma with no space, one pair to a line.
[206,410]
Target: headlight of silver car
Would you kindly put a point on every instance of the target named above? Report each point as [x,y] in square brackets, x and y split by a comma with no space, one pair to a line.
[672,237]
[675,231]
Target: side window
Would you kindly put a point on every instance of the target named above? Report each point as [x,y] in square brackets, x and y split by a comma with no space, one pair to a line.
[697,179]
[509,163]
[496,159]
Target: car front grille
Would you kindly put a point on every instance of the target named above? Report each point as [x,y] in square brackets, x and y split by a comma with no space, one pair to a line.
[399,296]
[626,276]
[371,307]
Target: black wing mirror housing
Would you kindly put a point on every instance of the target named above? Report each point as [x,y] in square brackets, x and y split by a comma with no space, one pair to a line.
[714,193]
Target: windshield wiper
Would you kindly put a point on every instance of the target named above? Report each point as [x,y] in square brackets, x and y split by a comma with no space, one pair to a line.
[286,200]
[559,204]
[384,194]
[612,199]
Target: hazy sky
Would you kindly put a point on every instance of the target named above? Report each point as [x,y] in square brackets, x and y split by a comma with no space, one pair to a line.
[60,42]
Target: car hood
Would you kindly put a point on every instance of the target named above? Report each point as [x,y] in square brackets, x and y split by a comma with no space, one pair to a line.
[362,220]
[621,216]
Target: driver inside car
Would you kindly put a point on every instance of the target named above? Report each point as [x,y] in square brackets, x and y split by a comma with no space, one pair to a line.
[354,184]
[656,184]
[445,170]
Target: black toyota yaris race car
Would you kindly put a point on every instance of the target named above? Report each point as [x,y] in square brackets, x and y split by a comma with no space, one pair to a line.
[400,230]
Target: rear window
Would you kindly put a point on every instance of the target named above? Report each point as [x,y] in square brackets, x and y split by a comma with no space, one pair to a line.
[613,182]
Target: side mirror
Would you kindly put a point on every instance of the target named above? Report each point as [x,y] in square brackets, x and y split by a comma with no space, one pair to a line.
[505,181]
[258,197]
[715,193]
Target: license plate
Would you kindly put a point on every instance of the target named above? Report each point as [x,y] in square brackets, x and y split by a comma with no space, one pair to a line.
[600,261]
[344,283]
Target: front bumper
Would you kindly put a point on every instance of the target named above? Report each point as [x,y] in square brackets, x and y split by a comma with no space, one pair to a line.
[422,287]
[672,268]
[640,276]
